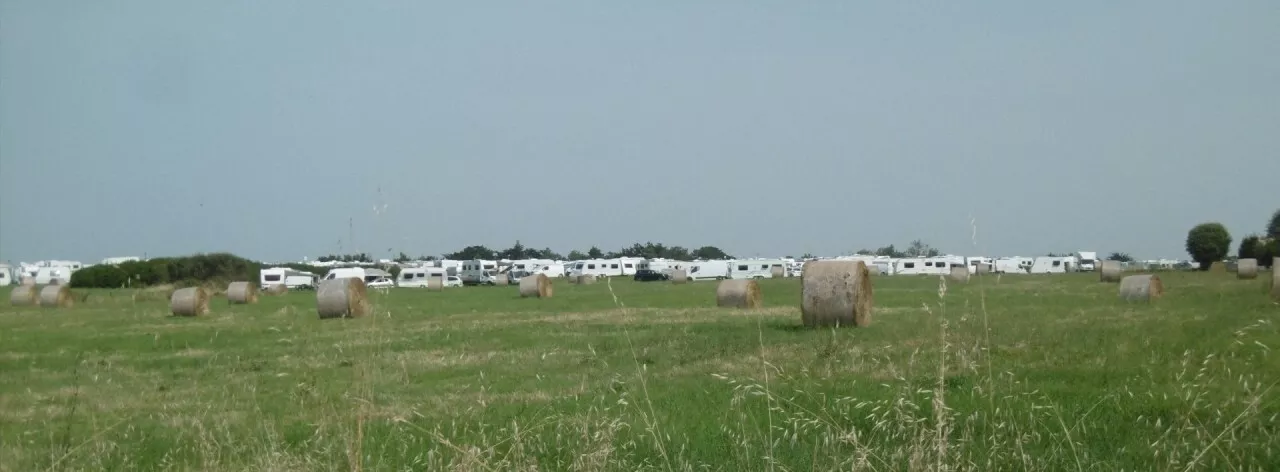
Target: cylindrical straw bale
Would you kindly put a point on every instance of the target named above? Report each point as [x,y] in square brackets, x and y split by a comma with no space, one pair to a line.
[1141,287]
[679,276]
[190,301]
[24,295]
[959,274]
[242,293]
[1110,271]
[342,298]
[1218,266]
[56,296]
[738,293]
[276,289]
[836,293]
[586,279]
[501,279]
[777,272]
[435,282]
[536,286]
[1247,269]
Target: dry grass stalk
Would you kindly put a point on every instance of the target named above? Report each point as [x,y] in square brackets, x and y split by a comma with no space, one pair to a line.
[739,293]
[342,298]
[679,276]
[1110,272]
[1247,269]
[24,295]
[959,274]
[836,293]
[1141,287]
[435,282]
[190,301]
[56,296]
[777,272]
[242,293]
[536,286]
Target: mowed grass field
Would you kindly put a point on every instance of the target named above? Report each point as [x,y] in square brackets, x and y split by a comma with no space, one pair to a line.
[1002,373]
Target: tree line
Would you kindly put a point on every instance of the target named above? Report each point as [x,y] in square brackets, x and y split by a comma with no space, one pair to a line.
[1211,242]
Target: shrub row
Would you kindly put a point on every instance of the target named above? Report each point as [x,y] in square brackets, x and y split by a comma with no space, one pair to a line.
[218,268]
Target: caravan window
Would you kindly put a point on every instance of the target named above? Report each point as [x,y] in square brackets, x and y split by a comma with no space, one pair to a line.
[909,265]
[591,266]
[488,266]
[928,264]
[271,277]
[1057,263]
[406,275]
[764,267]
[613,266]
[742,267]
[627,266]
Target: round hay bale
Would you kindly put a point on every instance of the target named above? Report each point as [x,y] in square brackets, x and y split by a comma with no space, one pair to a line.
[536,286]
[679,276]
[1141,287]
[24,295]
[435,282]
[1110,271]
[276,289]
[738,293]
[959,274]
[777,272]
[190,301]
[836,293]
[586,279]
[342,298]
[56,296]
[1218,267]
[502,279]
[242,293]
[1247,269]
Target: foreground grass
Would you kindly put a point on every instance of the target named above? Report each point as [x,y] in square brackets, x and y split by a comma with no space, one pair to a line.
[1020,372]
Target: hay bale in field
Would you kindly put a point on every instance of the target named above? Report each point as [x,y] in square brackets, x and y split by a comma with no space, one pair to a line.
[56,296]
[435,282]
[342,298]
[1218,267]
[1141,287]
[536,286]
[1110,271]
[276,289]
[242,293]
[586,279]
[1247,269]
[679,276]
[777,272]
[190,301]
[24,295]
[739,293]
[959,274]
[502,279]
[836,293]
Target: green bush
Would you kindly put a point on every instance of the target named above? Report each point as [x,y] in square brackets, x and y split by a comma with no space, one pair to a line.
[190,270]
[1208,243]
[99,276]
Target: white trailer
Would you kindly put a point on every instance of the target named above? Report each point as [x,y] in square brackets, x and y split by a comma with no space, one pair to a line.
[1012,265]
[1087,261]
[976,261]
[755,268]
[940,265]
[478,271]
[661,266]
[52,275]
[1051,265]
[291,278]
[709,270]
[368,274]
[417,277]
[6,275]
[599,268]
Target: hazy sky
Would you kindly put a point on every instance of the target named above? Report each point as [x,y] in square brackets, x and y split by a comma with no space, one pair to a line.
[770,128]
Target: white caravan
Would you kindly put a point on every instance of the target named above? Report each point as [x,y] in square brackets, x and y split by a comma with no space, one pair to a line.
[51,275]
[1052,265]
[974,262]
[709,270]
[417,276]
[291,278]
[547,267]
[1088,261]
[755,268]
[478,271]
[366,274]
[940,265]
[662,266]
[597,267]
[6,275]
[1011,265]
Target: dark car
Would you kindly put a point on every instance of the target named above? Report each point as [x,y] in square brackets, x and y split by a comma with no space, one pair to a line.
[649,275]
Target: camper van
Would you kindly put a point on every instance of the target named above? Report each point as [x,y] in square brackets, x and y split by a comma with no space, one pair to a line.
[974,262]
[1087,261]
[417,277]
[479,271]
[293,279]
[606,267]
[6,275]
[1053,265]
[709,270]
[369,275]
[53,275]
[755,268]
[661,266]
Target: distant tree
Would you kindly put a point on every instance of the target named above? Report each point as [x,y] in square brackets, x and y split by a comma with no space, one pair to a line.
[1249,247]
[595,253]
[1120,256]
[516,251]
[807,256]
[918,248]
[1266,250]
[1273,226]
[472,253]
[864,252]
[890,251]
[426,258]
[710,253]
[576,255]
[403,257]
[1208,243]
[544,253]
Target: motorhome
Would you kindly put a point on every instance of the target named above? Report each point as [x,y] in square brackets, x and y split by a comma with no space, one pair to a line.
[291,278]
[368,274]
[546,267]
[478,271]
[1052,265]
[418,276]
[1086,261]
[938,265]
[709,270]
[756,268]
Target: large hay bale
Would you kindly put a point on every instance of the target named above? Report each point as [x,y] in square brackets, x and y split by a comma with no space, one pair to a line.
[959,274]
[1247,269]
[190,301]
[1141,287]
[836,293]
[502,279]
[679,276]
[1218,267]
[56,296]
[738,293]
[777,272]
[586,279]
[536,286]
[276,289]
[342,298]
[242,293]
[435,282]
[24,295]
[1110,271]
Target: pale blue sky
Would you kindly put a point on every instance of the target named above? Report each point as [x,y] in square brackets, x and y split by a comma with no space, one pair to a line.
[771,128]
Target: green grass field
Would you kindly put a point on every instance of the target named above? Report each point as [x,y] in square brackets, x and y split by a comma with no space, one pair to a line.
[1010,373]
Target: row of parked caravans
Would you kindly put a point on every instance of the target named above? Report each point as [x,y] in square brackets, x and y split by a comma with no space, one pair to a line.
[941,265]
